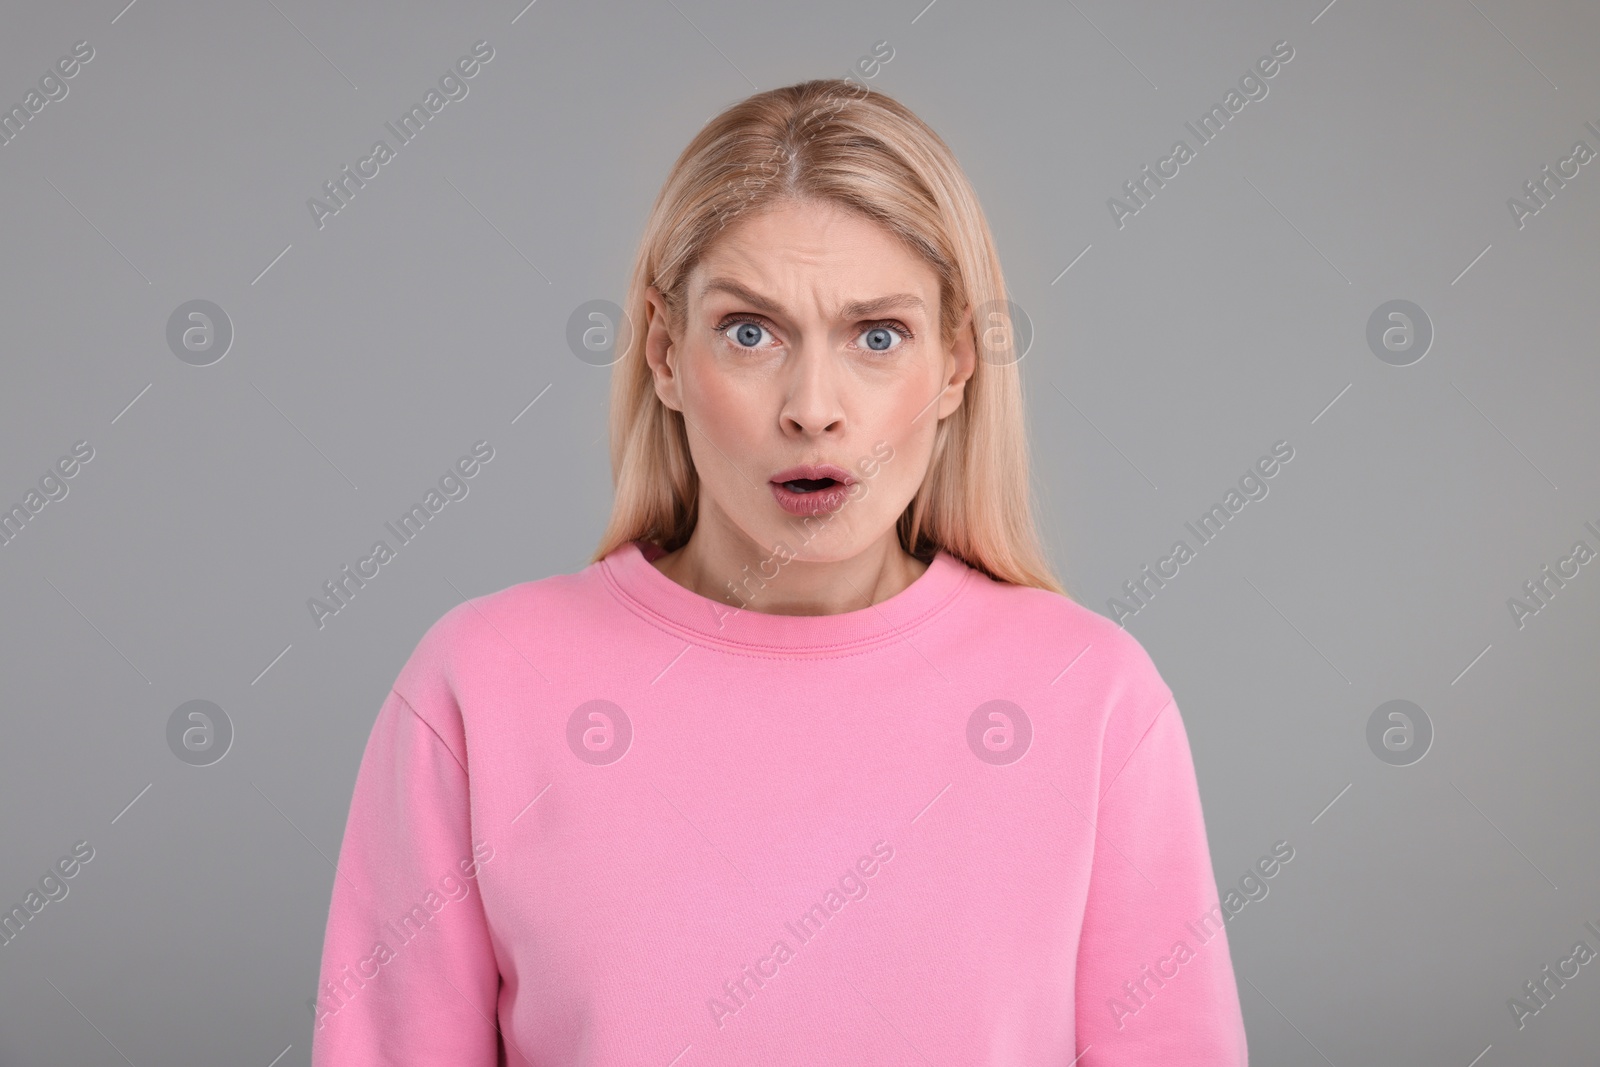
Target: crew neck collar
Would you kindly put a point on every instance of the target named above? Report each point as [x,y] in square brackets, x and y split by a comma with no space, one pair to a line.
[633,578]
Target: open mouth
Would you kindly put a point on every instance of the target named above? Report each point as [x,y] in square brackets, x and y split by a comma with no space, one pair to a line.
[825,491]
[808,485]
[810,496]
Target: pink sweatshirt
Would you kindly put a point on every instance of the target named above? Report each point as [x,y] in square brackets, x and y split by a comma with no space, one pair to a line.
[603,821]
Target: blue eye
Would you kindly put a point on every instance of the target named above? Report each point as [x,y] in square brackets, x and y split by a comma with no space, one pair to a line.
[748,334]
[881,338]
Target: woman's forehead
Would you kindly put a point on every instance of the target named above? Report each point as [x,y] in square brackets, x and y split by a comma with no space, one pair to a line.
[815,252]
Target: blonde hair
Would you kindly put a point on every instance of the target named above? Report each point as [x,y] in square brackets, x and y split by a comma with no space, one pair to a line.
[837,141]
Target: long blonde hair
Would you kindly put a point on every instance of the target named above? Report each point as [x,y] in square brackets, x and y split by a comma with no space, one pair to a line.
[834,140]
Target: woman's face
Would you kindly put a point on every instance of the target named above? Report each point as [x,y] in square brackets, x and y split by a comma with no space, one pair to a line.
[810,336]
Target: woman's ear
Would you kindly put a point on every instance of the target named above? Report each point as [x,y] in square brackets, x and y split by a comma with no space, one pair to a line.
[962,361]
[659,348]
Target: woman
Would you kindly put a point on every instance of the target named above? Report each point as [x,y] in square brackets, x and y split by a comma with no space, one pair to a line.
[814,762]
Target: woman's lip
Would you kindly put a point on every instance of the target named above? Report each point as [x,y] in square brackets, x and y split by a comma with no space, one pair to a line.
[829,499]
[813,472]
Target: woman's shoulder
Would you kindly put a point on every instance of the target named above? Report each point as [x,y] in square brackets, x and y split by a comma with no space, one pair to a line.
[1030,610]
[507,629]
[1047,624]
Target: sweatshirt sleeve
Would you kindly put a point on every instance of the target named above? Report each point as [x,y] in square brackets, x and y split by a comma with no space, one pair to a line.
[1155,981]
[408,971]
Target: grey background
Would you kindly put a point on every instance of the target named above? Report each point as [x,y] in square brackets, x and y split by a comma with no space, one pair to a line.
[1228,314]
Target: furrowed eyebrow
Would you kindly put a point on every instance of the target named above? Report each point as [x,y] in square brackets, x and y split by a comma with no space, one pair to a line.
[898,301]
[857,310]
[733,288]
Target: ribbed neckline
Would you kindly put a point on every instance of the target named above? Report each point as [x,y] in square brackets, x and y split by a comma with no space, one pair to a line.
[630,575]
